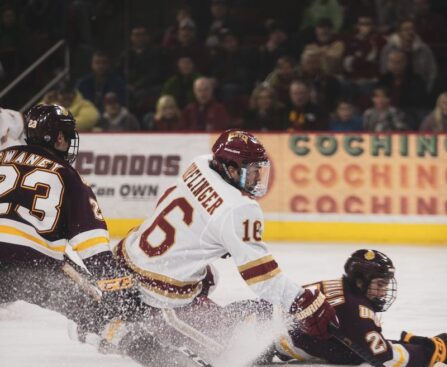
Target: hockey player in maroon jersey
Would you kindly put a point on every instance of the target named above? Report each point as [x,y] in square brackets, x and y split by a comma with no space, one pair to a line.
[367,287]
[45,207]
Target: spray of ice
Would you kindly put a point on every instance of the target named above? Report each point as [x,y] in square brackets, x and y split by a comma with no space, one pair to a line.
[250,340]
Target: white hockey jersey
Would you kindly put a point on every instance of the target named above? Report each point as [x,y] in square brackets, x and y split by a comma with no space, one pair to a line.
[196,222]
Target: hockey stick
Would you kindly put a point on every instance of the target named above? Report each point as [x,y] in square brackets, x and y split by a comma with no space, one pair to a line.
[363,354]
[171,318]
[82,281]
[81,278]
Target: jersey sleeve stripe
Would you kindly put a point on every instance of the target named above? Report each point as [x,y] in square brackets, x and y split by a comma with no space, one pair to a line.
[90,243]
[8,230]
[255,263]
[264,277]
[265,270]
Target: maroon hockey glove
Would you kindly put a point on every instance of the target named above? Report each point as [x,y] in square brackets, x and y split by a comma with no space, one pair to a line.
[313,314]
[435,347]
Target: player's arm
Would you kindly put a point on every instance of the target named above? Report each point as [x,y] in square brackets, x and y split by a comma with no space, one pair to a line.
[241,233]
[89,238]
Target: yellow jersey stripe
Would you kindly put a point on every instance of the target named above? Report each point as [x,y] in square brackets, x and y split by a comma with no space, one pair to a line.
[254,263]
[90,243]
[401,360]
[16,232]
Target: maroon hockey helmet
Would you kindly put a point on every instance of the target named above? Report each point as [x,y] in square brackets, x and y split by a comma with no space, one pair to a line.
[365,265]
[43,124]
[244,152]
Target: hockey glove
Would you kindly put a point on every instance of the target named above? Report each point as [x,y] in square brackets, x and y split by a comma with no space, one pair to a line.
[313,314]
[119,295]
[435,347]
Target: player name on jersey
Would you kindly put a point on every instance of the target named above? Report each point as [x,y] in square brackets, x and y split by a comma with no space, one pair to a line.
[28,159]
[201,189]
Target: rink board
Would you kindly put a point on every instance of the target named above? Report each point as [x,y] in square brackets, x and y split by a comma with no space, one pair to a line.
[373,188]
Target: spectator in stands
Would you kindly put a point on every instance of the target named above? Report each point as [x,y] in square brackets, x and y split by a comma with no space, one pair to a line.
[168,116]
[14,42]
[324,88]
[180,85]
[422,61]
[170,34]
[116,117]
[269,52]
[318,9]
[84,111]
[100,81]
[353,9]
[436,121]
[345,119]
[362,51]
[329,46]
[220,20]
[265,112]
[383,117]
[142,68]
[302,114]
[430,26]
[205,114]
[187,44]
[281,77]
[407,90]
[391,12]
[232,67]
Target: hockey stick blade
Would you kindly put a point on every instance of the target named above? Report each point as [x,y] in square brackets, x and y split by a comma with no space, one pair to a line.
[365,355]
[187,330]
[195,358]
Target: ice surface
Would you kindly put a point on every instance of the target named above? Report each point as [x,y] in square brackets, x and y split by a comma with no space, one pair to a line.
[32,337]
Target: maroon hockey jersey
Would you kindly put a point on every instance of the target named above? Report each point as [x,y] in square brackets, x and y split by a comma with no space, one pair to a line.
[45,205]
[360,324]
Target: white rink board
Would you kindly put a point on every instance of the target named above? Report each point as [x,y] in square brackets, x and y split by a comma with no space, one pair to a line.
[129,172]
[33,337]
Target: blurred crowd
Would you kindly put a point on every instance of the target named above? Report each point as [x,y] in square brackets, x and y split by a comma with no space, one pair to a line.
[319,65]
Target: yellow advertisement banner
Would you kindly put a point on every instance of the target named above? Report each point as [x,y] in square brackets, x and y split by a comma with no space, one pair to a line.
[357,174]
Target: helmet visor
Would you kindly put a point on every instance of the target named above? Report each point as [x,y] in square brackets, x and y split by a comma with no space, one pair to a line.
[254,178]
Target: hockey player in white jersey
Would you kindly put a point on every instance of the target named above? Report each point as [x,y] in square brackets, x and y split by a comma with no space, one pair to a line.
[212,211]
